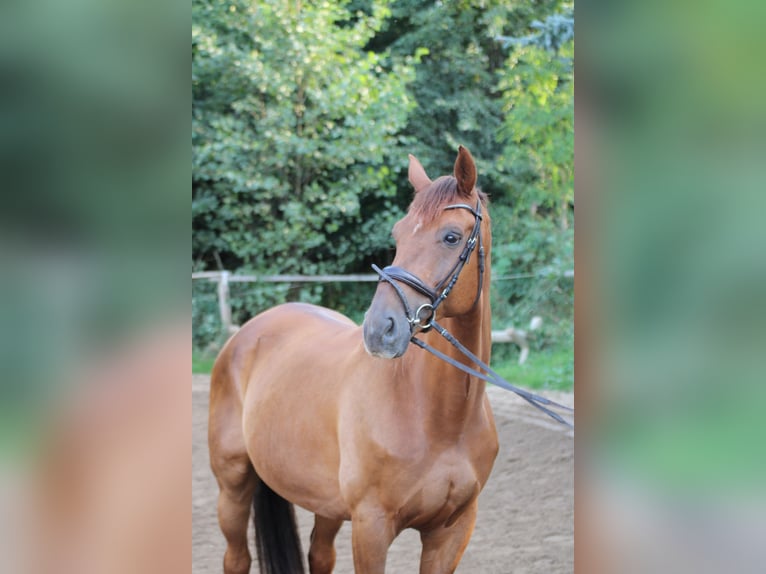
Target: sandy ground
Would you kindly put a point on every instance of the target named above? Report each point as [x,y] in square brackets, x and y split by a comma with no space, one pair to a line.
[526,511]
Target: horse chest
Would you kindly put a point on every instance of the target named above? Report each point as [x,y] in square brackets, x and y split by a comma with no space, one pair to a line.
[414,484]
[443,491]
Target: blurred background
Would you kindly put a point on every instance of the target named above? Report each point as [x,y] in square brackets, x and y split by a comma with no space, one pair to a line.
[94,327]
[303,114]
[671,323]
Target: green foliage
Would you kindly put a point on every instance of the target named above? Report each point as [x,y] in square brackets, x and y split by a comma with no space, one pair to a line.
[537,161]
[534,239]
[455,80]
[302,118]
[551,34]
[530,256]
[456,83]
[206,325]
[294,128]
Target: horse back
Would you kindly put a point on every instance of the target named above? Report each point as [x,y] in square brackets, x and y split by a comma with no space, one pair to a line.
[290,329]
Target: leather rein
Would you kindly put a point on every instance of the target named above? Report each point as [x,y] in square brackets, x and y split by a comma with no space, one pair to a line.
[423,319]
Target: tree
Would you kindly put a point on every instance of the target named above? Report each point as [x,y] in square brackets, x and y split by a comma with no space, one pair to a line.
[453,85]
[538,131]
[456,81]
[294,128]
[535,174]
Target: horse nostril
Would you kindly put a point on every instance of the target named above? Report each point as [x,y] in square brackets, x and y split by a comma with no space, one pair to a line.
[390,327]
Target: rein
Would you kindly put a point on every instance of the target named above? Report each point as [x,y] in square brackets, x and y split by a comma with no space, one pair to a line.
[423,319]
[491,376]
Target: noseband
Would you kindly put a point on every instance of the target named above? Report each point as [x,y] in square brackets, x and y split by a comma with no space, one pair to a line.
[422,319]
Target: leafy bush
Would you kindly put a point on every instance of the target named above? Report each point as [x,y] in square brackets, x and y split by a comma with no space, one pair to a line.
[207,333]
[294,129]
[529,259]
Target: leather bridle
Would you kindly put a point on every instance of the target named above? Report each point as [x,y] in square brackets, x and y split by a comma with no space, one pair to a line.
[421,320]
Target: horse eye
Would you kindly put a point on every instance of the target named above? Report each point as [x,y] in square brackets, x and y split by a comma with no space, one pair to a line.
[451,239]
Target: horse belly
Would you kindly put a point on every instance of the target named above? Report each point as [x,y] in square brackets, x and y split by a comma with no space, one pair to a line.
[289,422]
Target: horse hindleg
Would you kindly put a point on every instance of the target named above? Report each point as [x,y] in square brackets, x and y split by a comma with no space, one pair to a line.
[443,547]
[322,550]
[232,469]
[237,481]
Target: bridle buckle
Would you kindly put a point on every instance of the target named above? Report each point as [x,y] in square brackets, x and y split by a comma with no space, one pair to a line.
[420,322]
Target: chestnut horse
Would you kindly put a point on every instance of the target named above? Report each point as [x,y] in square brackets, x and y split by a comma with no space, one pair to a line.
[351,422]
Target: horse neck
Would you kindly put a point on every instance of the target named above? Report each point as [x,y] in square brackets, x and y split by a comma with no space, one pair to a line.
[449,396]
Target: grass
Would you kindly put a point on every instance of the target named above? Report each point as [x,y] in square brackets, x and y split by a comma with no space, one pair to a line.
[550,369]
[202,363]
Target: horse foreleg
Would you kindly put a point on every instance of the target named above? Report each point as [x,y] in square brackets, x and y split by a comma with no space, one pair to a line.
[372,532]
[443,547]
[322,550]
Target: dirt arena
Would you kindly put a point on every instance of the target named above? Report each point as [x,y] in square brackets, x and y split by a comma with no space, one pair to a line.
[526,511]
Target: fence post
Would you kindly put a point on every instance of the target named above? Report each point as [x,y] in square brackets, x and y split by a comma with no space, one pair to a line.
[223,301]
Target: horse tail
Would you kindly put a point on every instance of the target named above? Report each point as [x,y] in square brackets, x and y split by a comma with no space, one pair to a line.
[276,533]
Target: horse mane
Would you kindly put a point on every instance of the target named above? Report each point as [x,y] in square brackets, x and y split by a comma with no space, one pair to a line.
[429,202]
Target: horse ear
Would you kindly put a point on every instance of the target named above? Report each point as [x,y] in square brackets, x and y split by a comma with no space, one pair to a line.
[417,175]
[465,171]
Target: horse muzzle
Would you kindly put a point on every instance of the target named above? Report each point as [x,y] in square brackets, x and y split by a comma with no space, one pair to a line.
[386,331]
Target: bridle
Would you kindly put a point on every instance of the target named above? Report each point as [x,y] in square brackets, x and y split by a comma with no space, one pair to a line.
[423,319]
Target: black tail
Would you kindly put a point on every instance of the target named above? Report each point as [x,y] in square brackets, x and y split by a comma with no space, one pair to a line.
[276,533]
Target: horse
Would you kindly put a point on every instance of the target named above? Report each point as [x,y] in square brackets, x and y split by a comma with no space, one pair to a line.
[352,422]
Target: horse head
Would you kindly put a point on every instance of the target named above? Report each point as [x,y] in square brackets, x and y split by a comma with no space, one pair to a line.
[435,272]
